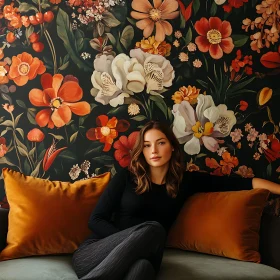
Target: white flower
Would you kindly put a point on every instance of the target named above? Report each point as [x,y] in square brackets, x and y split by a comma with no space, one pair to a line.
[133,109]
[202,126]
[75,172]
[158,71]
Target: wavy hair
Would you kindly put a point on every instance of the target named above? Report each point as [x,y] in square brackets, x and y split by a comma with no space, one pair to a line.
[140,168]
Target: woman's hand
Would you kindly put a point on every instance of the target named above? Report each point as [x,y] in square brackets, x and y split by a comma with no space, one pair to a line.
[259,183]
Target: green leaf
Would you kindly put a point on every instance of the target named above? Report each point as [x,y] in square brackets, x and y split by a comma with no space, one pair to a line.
[82,120]
[139,118]
[25,7]
[95,148]
[201,155]
[32,151]
[202,83]
[111,38]
[36,171]
[269,170]
[3,132]
[213,9]
[110,20]
[116,111]
[35,2]
[131,21]
[7,123]
[188,37]
[160,104]
[7,97]
[20,131]
[68,155]
[28,31]
[45,6]
[5,160]
[21,104]
[58,137]
[17,119]
[239,40]
[31,117]
[196,6]
[183,21]
[65,33]
[127,36]
[104,160]
[79,35]
[22,151]
[64,66]
[241,85]
[73,137]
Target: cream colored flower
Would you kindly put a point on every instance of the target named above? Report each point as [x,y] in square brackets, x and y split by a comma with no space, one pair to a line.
[184,57]
[133,109]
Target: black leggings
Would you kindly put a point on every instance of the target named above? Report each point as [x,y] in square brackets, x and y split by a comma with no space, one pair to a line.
[134,253]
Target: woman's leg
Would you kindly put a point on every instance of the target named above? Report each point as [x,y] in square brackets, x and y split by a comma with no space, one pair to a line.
[141,270]
[111,257]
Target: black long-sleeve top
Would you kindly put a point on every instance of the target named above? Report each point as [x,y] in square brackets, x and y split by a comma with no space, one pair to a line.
[120,201]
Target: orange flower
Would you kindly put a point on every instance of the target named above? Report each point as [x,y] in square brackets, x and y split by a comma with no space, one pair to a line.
[265,95]
[16,21]
[61,100]
[9,11]
[8,108]
[150,45]
[107,130]
[50,155]
[150,16]
[226,164]
[35,135]
[3,147]
[1,53]
[24,68]
[189,94]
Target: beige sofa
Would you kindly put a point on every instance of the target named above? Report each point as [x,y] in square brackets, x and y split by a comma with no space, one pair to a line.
[177,264]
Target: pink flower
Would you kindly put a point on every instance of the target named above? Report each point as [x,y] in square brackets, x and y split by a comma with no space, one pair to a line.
[215,36]
[123,148]
[236,135]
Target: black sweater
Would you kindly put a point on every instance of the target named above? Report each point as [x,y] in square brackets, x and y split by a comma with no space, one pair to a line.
[120,201]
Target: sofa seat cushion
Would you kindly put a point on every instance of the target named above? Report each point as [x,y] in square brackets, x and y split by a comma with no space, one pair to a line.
[38,268]
[178,264]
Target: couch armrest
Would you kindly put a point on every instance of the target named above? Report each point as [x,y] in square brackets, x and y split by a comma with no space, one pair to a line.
[269,240]
[3,227]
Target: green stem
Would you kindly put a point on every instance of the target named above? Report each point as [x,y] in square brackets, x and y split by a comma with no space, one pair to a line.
[14,141]
[51,45]
[66,134]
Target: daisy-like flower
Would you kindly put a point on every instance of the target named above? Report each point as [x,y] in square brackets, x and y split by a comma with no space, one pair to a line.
[248,126]
[236,135]
[252,135]
[156,15]
[85,166]
[197,63]
[75,172]
[256,156]
[178,34]
[8,108]
[214,36]
[176,44]
[133,109]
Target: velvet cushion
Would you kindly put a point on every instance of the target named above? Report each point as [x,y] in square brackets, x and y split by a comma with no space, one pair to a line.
[221,223]
[48,217]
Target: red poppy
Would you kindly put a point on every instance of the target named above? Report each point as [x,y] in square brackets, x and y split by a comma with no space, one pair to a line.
[123,148]
[233,4]
[107,130]
[186,11]
[50,155]
[274,152]
[243,105]
[214,36]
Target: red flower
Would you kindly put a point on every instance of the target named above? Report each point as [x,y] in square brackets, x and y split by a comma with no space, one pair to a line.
[3,147]
[243,105]
[271,60]
[123,148]
[186,11]
[214,36]
[35,135]
[274,152]
[50,155]
[233,4]
[107,130]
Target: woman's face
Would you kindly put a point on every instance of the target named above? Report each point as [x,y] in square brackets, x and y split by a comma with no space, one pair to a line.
[157,149]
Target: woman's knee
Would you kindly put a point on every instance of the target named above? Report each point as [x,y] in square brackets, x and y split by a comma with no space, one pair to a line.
[155,228]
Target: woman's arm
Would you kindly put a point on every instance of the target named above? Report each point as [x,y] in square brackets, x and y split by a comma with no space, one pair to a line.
[259,183]
[100,219]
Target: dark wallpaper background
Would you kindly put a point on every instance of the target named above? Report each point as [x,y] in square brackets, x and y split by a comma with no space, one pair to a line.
[78,79]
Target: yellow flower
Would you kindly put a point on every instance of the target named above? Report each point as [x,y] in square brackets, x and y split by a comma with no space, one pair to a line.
[265,95]
[150,45]
[200,131]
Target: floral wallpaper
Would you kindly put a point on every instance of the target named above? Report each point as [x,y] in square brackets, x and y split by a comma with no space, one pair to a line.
[79,78]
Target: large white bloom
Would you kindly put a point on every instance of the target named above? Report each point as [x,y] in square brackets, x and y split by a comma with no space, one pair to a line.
[203,125]
[158,71]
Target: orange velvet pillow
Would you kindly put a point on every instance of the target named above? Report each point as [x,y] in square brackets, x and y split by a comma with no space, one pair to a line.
[221,223]
[48,217]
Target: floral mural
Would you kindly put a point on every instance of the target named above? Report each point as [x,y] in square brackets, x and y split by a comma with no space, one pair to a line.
[78,79]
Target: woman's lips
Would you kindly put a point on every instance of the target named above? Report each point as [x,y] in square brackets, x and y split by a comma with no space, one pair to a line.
[155,158]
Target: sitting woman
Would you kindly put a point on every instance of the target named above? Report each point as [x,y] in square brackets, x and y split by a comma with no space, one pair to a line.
[144,202]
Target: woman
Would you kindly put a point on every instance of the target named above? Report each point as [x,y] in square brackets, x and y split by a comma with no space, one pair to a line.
[136,210]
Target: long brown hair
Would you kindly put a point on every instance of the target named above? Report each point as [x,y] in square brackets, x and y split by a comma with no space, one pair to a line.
[140,168]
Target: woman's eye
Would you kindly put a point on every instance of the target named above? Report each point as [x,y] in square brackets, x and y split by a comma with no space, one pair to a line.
[161,143]
[146,146]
